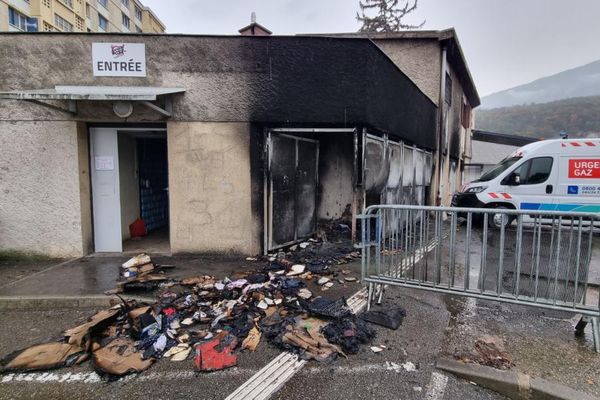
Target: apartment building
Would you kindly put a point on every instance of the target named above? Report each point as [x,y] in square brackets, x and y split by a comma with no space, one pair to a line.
[78,16]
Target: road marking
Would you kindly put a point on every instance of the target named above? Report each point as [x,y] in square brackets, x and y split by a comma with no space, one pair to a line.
[270,378]
[282,368]
[94,378]
[437,386]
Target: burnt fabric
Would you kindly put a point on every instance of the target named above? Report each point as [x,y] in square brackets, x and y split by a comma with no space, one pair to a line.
[349,333]
[389,317]
[257,278]
[318,268]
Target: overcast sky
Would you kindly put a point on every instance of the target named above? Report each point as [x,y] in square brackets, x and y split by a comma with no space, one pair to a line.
[506,42]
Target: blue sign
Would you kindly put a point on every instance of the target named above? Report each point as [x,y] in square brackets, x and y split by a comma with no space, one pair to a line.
[573,190]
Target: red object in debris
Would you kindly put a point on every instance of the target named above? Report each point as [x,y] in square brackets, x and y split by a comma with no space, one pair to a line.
[137,228]
[169,311]
[216,354]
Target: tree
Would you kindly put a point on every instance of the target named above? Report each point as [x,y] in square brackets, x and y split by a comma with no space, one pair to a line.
[389,15]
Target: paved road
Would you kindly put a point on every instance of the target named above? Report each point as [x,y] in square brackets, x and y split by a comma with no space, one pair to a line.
[542,344]
[419,341]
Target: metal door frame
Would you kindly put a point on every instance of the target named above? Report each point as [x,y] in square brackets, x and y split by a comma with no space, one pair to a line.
[269,186]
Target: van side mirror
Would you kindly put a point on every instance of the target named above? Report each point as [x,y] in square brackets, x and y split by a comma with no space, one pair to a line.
[513,179]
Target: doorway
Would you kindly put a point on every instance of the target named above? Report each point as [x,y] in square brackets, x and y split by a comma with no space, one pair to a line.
[292,182]
[129,170]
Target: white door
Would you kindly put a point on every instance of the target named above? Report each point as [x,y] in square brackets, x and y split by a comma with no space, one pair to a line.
[106,197]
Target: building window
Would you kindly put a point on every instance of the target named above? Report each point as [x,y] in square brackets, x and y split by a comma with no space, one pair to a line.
[138,13]
[125,3]
[68,3]
[17,19]
[103,3]
[62,24]
[102,22]
[88,11]
[466,115]
[448,89]
[125,20]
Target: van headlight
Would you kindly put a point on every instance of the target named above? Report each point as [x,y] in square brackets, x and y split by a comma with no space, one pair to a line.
[476,189]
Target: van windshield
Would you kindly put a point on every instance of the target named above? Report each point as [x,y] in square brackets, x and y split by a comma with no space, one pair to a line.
[498,169]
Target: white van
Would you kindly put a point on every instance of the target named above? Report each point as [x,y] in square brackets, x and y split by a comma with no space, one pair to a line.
[550,175]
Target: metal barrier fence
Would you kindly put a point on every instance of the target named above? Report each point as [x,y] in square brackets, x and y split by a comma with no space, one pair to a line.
[533,258]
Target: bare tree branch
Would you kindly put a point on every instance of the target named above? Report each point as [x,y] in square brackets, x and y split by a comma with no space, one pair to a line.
[388,17]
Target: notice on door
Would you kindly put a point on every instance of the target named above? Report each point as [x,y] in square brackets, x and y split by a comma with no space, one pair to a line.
[584,168]
[105,163]
[119,59]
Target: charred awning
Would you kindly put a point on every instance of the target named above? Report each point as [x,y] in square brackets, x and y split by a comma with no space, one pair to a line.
[123,95]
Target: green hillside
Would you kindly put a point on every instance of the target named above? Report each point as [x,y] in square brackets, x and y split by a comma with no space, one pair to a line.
[580,117]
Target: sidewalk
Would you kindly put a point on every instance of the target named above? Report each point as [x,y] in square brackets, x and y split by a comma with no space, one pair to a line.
[93,275]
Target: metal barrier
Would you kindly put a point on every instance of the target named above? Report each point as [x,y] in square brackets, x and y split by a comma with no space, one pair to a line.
[532,258]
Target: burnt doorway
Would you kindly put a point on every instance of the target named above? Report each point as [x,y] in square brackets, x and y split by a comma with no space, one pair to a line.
[292,189]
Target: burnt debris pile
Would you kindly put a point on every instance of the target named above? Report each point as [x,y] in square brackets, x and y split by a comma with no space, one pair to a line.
[212,320]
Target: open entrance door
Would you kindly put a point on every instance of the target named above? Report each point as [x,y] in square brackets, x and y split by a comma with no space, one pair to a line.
[106,198]
[292,182]
[129,169]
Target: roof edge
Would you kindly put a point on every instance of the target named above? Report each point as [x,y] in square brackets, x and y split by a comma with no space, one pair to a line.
[444,35]
[502,138]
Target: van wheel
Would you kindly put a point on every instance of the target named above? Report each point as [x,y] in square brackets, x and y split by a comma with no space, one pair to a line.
[496,221]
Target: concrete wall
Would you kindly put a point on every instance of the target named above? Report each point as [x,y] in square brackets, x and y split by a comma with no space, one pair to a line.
[210,188]
[335,174]
[40,205]
[128,183]
[233,79]
[275,80]
[419,59]
[3,16]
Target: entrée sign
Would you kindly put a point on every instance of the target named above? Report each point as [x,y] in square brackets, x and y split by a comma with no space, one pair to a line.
[119,59]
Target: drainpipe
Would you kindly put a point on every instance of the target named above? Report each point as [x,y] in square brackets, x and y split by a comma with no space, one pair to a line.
[442,120]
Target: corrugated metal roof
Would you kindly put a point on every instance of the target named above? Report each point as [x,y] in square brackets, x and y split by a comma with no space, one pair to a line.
[147,93]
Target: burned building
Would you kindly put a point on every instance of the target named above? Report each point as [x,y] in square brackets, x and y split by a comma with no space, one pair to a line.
[218,143]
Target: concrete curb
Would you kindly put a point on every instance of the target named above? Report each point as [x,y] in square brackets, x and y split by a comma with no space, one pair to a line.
[34,303]
[514,385]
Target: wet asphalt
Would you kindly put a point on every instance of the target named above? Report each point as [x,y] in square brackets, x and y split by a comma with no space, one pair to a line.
[419,340]
[541,343]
